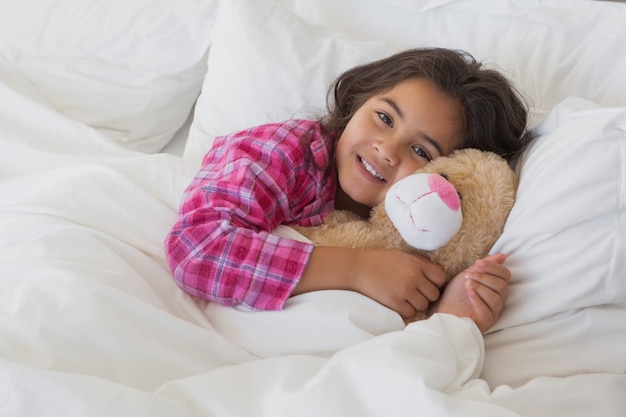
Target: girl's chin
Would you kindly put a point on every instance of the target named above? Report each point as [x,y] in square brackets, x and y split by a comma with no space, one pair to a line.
[363,203]
[353,202]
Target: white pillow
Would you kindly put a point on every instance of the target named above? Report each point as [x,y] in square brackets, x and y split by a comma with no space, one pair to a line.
[265,65]
[568,217]
[268,64]
[566,241]
[129,69]
[552,49]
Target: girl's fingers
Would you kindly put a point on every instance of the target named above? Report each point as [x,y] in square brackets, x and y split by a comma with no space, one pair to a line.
[488,294]
[483,316]
[486,267]
[496,284]
[498,258]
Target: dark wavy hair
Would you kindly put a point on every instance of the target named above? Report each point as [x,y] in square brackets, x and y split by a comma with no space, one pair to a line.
[495,113]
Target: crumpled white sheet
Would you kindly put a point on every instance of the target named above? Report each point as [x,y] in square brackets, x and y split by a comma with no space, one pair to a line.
[92,324]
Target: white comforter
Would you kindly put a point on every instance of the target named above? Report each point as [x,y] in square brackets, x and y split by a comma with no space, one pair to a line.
[91,323]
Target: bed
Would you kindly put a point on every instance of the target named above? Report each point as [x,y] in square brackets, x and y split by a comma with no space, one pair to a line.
[106,111]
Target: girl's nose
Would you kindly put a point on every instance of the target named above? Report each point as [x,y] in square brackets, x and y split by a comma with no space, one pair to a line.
[387,150]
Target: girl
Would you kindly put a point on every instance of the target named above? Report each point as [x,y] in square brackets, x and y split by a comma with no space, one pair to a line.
[385,120]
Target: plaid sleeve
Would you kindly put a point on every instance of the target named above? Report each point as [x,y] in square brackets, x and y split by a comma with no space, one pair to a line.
[220,249]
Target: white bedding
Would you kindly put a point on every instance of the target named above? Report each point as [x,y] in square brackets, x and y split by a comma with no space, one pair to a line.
[92,324]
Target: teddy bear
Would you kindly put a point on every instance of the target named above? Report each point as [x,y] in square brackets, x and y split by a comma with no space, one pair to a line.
[452,211]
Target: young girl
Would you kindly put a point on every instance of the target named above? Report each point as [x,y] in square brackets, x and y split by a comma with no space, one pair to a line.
[385,120]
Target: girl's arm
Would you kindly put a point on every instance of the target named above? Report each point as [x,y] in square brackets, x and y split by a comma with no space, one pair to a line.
[221,248]
[213,260]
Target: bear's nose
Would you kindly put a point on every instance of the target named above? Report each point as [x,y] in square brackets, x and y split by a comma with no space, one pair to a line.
[445,190]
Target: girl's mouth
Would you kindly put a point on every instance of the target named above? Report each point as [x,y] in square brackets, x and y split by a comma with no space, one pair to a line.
[371,169]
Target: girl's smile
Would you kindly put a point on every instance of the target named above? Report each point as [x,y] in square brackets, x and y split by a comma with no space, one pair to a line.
[392,135]
[371,170]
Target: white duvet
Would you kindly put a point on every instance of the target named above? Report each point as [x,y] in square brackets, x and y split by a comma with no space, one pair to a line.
[92,324]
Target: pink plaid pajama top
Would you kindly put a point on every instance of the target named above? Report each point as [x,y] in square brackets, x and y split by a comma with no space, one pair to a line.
[220,248]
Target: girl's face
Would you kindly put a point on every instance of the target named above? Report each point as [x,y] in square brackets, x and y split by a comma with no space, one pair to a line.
[392,135]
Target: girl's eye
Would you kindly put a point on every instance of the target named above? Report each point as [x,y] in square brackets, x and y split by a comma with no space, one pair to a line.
[422,153]
[386,119]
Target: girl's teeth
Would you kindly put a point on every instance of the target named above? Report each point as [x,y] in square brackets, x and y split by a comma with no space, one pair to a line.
[371,170]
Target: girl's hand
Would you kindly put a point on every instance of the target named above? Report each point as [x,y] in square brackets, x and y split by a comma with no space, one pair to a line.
[405,283]
[478,293]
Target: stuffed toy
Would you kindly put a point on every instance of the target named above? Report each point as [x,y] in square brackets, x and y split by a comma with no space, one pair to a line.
[452,211]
